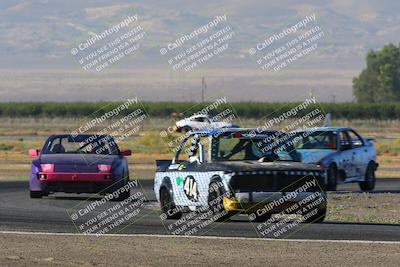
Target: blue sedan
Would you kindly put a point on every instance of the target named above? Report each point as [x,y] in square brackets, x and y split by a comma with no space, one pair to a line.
[342,152]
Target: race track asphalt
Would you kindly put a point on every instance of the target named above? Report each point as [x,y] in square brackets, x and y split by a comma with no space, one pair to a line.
[52,214]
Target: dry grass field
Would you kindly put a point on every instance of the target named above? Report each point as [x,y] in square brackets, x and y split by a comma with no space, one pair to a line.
[18,135]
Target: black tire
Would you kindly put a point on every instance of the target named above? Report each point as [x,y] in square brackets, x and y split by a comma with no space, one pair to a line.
[167,205]
[215,202]
[319,217]
[126,194]
[332,177]
[123,196]
[36,194]
[260,218]
[187,129]
[369,183]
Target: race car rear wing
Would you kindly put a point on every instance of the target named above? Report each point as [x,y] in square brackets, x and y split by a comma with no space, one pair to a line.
[369,140]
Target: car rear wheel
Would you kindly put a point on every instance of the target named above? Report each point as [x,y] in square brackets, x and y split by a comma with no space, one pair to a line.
[369,183]
[260,218]
[319,217]
[36,194]
[215,202]
[187,129]
[168,206]
[332,177]
[122,196]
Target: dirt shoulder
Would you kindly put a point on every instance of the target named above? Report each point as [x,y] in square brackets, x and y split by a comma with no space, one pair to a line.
[364,208]
[28,250]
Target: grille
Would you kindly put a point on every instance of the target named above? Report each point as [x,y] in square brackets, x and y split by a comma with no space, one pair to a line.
[279,181]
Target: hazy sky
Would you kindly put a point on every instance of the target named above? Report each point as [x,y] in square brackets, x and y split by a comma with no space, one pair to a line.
[253,50]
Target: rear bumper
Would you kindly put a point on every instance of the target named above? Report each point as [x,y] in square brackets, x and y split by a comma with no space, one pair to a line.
[80,187]
[275,202]
[75,177]
[376,166]
[77,182]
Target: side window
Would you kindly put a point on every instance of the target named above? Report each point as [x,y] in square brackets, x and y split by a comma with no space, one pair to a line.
[190,148]
[344,140]
[181,153]
[199,119]
[56,146]
[355,139]
[233,148]
[193,150]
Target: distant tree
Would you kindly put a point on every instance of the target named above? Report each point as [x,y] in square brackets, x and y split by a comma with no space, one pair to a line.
[380,80]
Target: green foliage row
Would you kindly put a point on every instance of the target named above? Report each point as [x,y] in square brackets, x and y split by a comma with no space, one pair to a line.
[166,109]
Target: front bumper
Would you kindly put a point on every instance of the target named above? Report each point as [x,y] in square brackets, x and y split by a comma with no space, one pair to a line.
[276,202]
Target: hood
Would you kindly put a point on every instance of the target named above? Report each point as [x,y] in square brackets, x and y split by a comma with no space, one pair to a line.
[77,159]
[240,166]
[314,155]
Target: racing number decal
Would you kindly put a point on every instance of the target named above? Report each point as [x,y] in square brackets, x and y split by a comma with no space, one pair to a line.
[190,188]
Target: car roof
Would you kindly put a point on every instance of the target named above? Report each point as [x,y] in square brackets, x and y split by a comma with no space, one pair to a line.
[78,135]
[326,129]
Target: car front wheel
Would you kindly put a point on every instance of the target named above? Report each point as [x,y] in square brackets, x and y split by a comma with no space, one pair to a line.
[215,202]
[168,207]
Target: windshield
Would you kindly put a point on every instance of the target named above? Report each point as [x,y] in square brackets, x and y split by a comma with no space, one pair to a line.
[90,144]
[238,146]
[315,140]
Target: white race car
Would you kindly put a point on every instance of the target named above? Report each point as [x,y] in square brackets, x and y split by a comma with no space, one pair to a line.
[223,172]
[201,122]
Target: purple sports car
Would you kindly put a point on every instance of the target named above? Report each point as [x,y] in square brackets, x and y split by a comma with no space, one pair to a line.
[78,164]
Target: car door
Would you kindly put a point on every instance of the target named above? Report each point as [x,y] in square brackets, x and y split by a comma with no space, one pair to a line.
[190,181]
[346,157]
[359,152]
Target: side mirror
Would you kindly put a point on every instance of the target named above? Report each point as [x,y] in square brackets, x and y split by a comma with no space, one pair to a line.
[34,153]
[126,153]
[345,147]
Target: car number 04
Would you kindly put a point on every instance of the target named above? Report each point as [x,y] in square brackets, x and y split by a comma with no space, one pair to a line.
[190,188]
